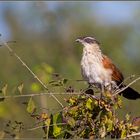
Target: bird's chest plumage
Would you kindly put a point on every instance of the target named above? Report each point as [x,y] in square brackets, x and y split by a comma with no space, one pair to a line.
[93,70]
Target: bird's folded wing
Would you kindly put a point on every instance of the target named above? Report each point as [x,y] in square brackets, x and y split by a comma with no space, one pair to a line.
[116,74]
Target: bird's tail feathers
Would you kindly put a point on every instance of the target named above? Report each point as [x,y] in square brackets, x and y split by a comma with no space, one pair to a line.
[130,94]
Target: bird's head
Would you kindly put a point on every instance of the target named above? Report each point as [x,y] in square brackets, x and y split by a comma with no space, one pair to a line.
[87,41]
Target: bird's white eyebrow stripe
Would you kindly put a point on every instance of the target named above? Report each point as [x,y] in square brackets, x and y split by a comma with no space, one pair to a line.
[89,37]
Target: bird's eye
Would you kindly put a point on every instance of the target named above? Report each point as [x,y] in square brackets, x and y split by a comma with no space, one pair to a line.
[89,40]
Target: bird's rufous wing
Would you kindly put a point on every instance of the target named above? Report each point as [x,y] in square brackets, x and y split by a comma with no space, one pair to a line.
[116,74]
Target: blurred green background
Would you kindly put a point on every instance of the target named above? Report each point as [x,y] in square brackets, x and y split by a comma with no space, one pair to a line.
[45,33]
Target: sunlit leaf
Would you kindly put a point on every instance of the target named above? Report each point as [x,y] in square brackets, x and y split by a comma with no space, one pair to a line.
[109,114]
[47,122]
[35,87]
[119,102]
[109,125]
[57,128]
[31,106]
[71,101]
[89,104]
[123,133]
[44,116]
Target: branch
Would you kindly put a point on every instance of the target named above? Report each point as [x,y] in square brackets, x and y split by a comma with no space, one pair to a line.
[31,72]
[127,86]
[39,94]
[46,125]
[126,79]
[133,135]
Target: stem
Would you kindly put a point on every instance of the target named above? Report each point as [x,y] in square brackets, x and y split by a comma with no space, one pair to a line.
[31,72]
[133,135]
[46,125]
[127,86]
[39,94]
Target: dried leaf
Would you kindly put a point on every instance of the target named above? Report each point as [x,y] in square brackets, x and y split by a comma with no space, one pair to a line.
[44,116]
[4,89]
[2,134]
[20,88]
[102,131]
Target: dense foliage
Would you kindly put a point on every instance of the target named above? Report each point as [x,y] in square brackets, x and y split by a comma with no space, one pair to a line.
[87,116]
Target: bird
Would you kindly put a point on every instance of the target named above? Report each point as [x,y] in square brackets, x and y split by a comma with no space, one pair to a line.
[99,70]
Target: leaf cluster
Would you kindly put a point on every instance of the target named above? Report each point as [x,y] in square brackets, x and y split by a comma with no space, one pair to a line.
[89,117]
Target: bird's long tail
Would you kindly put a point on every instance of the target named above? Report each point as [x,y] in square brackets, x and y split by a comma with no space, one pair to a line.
[130,94]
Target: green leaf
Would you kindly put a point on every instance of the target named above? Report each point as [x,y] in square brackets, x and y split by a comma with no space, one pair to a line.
[123,134]
[31,106]
[57,129]
[89,104]
[4,89]
[20,88]
[109,125]
[71,101]
[73,110]
[47,68]
[35,87]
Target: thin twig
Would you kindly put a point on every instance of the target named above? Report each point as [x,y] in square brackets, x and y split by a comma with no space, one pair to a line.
[127,86]
[31,72]
[46,125]
[133,135]
[39,94]
[92,96]
[126,79]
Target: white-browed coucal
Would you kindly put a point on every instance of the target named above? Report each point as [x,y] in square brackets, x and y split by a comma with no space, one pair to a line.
[99,70]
